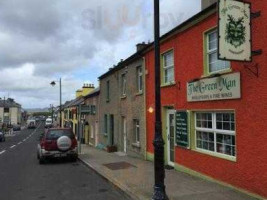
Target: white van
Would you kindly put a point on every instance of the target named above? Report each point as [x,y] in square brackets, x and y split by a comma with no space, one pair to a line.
[48,123]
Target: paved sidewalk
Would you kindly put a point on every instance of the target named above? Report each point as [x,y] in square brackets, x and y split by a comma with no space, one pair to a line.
[135,177]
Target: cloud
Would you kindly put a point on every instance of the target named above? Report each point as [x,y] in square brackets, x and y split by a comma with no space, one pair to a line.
[41,40]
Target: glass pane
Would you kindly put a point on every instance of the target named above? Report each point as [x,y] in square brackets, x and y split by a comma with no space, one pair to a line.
[168,59]
[169,75]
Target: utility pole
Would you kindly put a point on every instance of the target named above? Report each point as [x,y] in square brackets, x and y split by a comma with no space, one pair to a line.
[159,171]
[60,102]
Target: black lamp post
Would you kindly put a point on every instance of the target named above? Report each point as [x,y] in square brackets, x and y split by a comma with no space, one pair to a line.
[53,83]
[159,187]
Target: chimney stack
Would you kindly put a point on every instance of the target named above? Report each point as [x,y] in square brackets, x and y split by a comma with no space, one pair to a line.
[140,46]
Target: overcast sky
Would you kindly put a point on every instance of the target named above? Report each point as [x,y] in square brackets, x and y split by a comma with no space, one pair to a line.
[79,40]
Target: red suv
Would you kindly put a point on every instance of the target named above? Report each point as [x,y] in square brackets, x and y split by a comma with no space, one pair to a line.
[57,143]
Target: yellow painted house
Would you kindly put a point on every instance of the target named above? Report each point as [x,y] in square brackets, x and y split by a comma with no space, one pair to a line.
[70,115]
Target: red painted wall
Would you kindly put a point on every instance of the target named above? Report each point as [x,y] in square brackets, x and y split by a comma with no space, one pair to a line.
[250,169]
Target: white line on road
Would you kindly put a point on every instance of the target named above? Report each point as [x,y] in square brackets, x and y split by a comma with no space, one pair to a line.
[19,143]
[12,146]
[2,152]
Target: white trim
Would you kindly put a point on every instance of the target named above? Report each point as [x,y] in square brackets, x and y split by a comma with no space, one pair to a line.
[168,112]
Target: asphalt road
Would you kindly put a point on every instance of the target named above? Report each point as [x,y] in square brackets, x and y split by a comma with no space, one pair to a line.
[21,176]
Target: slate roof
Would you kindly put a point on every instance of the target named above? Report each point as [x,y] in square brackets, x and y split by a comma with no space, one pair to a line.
[9,103]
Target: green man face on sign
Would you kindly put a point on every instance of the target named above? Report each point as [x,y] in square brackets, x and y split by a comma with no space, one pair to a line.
[235,31]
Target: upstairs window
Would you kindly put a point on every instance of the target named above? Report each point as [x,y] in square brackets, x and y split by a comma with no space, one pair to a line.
[123,85]
[107,91]
[168,67]
[139,75]
[213,64]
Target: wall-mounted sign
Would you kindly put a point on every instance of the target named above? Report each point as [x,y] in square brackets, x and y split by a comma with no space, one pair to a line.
[182,129]
[85,109]
[217,88]
[234,30]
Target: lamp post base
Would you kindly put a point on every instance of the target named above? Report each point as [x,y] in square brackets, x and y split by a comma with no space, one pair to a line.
[159,193]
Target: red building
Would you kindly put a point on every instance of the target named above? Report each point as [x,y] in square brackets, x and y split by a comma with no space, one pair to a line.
[226,131]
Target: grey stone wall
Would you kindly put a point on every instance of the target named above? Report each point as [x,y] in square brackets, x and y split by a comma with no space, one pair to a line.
[130,106]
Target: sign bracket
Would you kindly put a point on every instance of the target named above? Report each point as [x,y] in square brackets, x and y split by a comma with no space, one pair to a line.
[255,14]
[257,52]
[254,69]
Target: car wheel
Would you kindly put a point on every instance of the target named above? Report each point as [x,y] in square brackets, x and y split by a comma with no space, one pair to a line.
[41,161]
[74,159]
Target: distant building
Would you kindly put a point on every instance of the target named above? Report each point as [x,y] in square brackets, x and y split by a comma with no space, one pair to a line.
[10,111]
[207,3]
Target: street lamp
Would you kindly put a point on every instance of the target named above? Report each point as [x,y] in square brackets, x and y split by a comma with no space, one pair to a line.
[159,171]
[53,83]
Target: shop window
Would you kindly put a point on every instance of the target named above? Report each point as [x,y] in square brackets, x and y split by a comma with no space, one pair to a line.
[213,64]
[215,132]
[168,68]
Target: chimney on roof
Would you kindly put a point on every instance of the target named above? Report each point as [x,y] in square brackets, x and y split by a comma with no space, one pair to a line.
[140,46]
[207,3]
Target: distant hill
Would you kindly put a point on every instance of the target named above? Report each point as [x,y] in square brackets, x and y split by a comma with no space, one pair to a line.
[35,110]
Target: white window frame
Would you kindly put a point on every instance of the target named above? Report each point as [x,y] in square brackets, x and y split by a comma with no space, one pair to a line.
[140,79]
[165,68]
[137,130]
[215,131]
[123,84]
[212,51]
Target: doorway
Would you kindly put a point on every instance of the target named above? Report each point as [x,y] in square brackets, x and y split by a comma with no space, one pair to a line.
[170,137]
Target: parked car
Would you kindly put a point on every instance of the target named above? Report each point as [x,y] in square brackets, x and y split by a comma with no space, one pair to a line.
[2,136]
[57,143]
[16,127]
[31,123]
[48,123]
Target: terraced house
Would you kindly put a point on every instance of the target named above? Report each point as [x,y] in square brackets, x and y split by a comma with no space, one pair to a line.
[122,119]
[213,111]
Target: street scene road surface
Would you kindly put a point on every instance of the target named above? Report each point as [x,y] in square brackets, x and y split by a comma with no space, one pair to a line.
[23,178]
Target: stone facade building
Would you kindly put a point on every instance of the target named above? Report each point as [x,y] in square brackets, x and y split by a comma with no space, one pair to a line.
[122,121]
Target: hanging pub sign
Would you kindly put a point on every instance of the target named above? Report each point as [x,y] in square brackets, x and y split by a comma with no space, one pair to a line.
[234,38]
[181,125]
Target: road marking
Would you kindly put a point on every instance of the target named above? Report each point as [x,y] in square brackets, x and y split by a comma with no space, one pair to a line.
[19,143]
[12,146]
[2,152]
[24,140]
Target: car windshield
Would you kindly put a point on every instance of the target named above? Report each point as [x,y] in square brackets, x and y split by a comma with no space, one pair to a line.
[55,134]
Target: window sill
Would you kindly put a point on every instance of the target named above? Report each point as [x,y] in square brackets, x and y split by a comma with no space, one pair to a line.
[168,84]
[123,97]
[137,144]
[217,155]
[210,75]
[139,93]
[105,134]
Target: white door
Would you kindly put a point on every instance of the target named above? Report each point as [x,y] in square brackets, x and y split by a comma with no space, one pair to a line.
[124,135]
[170,136]
[96,133]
